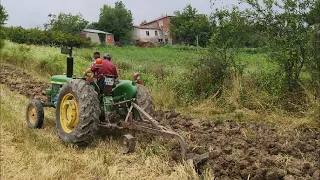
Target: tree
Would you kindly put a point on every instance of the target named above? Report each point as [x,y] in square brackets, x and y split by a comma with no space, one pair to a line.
[117,20]
[143,22]
[187,25]
[3,18]
[67,23]
[231,32]
[93,25]
[313,16]
[284,23]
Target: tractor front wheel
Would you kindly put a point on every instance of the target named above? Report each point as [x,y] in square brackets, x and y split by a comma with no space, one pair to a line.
[77,113]
[35,114]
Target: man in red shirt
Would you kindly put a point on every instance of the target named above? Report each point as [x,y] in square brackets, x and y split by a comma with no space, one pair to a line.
[107,68]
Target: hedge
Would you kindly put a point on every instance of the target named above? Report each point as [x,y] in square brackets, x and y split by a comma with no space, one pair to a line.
[38,37]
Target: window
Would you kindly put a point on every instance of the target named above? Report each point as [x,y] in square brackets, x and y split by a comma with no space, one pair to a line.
[160,40]
[156,33]
[147,33]
[161,23]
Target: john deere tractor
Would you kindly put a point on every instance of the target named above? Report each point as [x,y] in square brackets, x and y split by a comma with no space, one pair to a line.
[85,105]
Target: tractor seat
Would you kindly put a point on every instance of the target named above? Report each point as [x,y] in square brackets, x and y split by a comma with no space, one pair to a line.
[106,83]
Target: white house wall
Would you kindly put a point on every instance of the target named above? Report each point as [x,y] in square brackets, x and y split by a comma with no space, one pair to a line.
[136,34]
[140,34]
[94,37]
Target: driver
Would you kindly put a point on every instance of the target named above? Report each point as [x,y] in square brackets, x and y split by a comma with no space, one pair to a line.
[107,67]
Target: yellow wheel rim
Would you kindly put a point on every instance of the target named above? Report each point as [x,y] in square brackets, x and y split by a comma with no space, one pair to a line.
[68,113]
[32,115]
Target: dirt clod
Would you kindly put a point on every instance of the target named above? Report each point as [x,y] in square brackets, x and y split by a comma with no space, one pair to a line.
[172,114]
[294,171]
[316,174]
[275,174]
[289,177]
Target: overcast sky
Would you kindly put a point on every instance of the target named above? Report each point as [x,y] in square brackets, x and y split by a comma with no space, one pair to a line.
[31,13]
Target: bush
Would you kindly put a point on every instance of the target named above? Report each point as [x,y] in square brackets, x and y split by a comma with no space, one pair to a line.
[313,65]
[202,81]
[38,37]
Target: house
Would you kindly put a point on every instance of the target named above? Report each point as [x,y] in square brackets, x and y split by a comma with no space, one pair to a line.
[96,36]
[155,31]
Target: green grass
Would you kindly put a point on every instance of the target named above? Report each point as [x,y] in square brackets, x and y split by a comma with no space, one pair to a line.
[137,57]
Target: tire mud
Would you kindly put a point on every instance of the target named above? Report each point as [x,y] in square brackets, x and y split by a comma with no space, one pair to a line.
[237,150]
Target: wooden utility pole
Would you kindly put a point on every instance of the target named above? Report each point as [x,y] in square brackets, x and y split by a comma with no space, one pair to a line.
[197,43]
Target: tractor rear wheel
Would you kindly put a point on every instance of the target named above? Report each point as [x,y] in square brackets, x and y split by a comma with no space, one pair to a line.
[35,114]
[77,113]
[145,100]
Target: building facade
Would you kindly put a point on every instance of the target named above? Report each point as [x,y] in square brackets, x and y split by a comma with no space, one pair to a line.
[96,38]
[155,31]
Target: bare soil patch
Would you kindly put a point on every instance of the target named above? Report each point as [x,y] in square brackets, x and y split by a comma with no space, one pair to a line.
[22,82]
[248,150]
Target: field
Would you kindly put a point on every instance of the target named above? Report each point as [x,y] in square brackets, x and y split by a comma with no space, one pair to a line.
[244,143]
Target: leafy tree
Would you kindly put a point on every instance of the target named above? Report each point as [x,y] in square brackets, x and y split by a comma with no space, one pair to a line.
[3,18]
[284,22]
[38,37]
[93,25]
[67,23]
[117,20]
[313,16]
[144,21]
[314,64]
[231,32]
[187,25]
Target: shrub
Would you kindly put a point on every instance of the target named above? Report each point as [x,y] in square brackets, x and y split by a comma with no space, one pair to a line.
[38,37]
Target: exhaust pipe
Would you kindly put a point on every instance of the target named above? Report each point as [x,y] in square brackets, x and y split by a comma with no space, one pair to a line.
[66,50]
[69,66]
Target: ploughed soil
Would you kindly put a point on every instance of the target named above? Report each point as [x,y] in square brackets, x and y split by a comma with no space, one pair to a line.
[22,82]
[237,150]
[248,150]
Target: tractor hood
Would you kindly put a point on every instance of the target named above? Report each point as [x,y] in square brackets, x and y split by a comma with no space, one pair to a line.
[59,79]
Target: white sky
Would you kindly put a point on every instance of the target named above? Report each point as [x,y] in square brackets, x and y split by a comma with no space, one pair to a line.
[31,13]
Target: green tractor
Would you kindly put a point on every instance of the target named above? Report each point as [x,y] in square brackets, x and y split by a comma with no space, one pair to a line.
[86,105]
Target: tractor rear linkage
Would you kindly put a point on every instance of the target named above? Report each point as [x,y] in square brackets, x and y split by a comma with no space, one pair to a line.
[153,127]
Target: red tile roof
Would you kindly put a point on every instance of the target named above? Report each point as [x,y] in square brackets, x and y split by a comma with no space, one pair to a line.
[146,27]
[162,17]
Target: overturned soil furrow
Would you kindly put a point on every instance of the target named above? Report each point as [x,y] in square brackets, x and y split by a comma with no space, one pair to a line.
[24,84]
[237,150]
[249,150]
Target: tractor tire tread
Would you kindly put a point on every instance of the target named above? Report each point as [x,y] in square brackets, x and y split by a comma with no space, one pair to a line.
[88,105]
[145,100]
[37,104]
